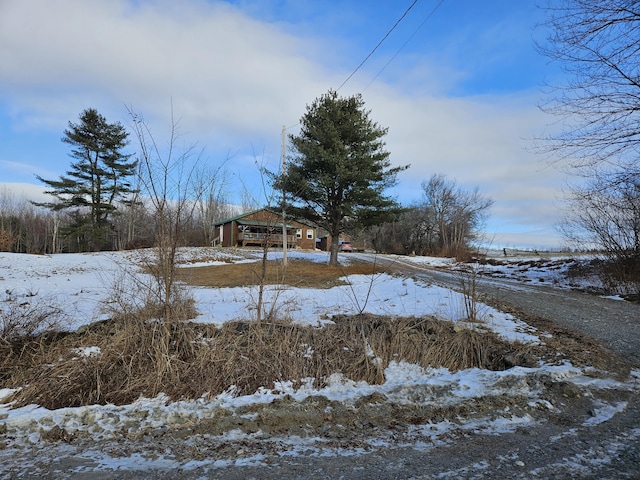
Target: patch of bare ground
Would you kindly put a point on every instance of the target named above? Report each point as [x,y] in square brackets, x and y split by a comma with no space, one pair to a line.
[298,273]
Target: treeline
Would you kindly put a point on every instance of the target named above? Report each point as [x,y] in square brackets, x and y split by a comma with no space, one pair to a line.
[445,222]
[113,200]
[25,228]
[28,228]
[108,200]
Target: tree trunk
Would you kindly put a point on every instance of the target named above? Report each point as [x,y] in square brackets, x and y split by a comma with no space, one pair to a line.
[333,257]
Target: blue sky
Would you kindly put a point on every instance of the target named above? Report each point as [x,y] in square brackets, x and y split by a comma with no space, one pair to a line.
[459,91]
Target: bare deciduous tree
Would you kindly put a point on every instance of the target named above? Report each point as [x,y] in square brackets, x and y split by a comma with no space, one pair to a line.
[607,216]
[597,43]
[209,186]
[444,222]
[26,228]
[166,176]
[455,213]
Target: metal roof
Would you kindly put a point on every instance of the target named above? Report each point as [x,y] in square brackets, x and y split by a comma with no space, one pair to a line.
[238,218]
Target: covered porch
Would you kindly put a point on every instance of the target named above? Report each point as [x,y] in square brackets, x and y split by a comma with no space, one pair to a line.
[261,233]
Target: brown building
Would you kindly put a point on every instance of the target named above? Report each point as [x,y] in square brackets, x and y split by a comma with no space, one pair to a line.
[264,225]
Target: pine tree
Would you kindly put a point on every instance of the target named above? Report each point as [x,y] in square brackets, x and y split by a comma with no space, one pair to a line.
[340,168]
[97,179]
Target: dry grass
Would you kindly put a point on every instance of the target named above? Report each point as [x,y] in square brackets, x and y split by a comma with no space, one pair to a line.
[239,356]
[299,273]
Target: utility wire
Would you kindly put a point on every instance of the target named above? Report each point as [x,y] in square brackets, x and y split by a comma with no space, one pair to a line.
[405,43]
[378,45]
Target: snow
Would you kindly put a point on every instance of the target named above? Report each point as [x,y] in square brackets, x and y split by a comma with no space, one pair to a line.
[406,384]
[82,284]
[605,412]
[87,351]
[527,269]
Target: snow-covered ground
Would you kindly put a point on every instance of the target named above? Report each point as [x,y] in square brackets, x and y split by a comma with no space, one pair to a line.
[528,269]
[82,284]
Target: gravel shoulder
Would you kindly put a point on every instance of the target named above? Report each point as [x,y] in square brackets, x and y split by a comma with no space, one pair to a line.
[563,446]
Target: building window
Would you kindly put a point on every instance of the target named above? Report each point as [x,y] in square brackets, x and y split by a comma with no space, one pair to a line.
[298,233]
[309,233]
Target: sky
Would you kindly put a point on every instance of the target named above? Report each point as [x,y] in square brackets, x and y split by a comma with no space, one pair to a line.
[458,83]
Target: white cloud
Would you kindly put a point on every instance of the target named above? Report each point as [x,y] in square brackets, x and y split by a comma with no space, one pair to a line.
[224,71]
[234,81]
[17,193]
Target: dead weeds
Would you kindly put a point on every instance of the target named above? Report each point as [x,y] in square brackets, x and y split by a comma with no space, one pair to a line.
[241,357]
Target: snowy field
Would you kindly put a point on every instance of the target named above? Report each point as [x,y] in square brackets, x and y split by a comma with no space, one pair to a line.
[548,270]
[82,284]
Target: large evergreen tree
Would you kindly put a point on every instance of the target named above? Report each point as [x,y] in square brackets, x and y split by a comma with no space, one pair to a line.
[97,179]
[340,168]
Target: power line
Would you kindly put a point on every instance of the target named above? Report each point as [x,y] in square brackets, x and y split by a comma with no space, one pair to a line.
[405,43]
[378,45]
